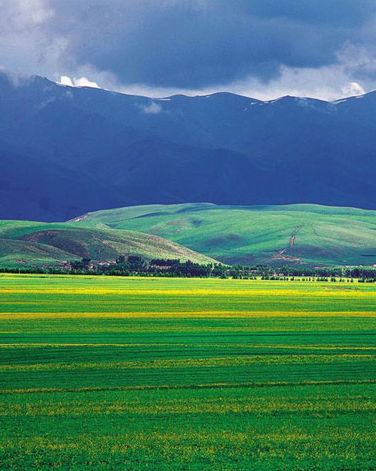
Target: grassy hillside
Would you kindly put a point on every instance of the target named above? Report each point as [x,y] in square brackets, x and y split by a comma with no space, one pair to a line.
[24,243]
[295,234]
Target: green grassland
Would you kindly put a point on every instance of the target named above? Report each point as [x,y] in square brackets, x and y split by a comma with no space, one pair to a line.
[308,234]
[186,374]
[24,243]
[276,235]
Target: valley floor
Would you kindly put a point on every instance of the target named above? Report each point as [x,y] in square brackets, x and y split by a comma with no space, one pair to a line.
[186,374]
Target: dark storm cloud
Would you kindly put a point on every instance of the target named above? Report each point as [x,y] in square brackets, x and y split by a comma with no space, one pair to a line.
[202,43]
[193,43]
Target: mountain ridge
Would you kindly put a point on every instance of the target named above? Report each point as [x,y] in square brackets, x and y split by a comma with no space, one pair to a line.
[225,148]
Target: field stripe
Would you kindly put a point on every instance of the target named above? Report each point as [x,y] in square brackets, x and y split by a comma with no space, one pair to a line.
[197,292]
[182,315]
[187,345]
[192,386]
[193,363]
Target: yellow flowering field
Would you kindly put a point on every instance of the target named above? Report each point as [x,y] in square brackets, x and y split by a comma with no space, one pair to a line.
[193,374]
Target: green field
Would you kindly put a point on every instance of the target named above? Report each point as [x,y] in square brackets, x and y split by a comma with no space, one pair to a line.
[186,374]
[36,244]
[295,234]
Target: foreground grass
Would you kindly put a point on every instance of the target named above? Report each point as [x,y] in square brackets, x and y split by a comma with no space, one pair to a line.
[167,374]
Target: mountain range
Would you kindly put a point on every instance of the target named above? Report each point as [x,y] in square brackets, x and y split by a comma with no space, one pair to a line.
[65,151]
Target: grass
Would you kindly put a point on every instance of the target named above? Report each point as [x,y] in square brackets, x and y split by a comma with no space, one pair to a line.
[25,243]
[167,374]
[276,235]
[255,234]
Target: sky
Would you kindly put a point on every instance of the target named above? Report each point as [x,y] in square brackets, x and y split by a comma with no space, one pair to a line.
[260,48]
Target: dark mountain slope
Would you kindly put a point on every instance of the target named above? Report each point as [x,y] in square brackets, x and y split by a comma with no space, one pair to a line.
[45,190]
[92,147]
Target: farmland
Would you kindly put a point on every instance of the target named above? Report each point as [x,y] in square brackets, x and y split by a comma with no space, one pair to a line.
[168,374]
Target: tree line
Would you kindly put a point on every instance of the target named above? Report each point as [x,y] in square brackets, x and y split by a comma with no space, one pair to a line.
[137,265]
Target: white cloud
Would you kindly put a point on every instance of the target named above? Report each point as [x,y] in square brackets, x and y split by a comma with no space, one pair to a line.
[25,48]
[22,15]
[152,108]
[77,82]
[85,82]
[330,82]
[352,89]
[326,83]
[65,80]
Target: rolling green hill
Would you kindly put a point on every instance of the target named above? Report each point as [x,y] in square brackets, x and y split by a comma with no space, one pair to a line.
[24,243]
[294,234]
